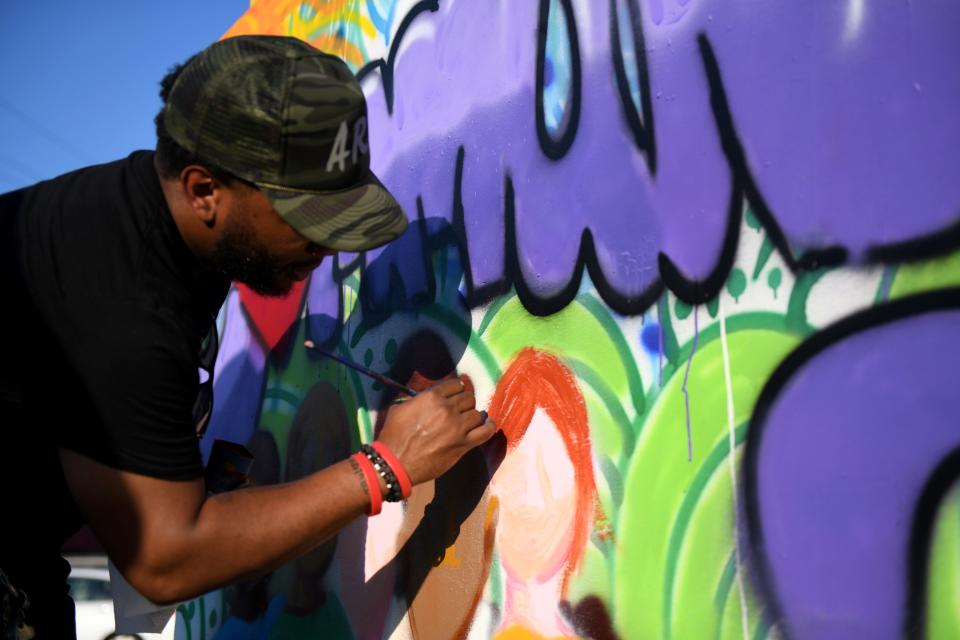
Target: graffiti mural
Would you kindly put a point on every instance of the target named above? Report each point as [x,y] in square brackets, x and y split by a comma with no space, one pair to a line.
[701,262]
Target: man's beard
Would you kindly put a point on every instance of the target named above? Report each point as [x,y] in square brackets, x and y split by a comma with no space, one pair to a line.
[239,256]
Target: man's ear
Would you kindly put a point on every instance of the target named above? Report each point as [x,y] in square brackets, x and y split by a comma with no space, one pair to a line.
[201,191]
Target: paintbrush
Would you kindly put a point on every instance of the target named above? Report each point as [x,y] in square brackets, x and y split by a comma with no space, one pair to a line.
[379,377]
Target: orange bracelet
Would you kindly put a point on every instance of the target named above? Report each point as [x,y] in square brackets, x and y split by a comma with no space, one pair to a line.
[373,485]
[406,487]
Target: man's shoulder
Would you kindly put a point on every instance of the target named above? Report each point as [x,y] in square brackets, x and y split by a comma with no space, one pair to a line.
[100,230]
[86,198]
[76,178]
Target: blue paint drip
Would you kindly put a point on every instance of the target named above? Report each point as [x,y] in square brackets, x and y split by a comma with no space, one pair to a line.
[650,337]
[547,72]
[380,22]
[886,283]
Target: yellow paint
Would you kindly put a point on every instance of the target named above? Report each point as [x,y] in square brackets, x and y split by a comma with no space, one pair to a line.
[332,15]
[264,17]
[284,18]
[450,558]
[520,633]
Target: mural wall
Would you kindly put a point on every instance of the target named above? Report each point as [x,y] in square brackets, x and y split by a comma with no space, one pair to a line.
[700,260]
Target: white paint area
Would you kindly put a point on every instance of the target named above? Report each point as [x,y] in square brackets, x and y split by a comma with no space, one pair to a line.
[840,293]
[732,467]
[854,21]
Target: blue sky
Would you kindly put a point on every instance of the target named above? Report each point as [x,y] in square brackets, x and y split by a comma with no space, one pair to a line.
[80,80]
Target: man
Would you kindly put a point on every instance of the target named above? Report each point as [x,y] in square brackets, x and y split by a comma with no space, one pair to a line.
[113,275]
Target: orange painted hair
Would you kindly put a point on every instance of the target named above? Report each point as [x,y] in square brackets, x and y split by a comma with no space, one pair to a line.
[534,380]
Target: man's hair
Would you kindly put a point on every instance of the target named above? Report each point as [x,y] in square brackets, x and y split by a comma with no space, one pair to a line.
[171,157]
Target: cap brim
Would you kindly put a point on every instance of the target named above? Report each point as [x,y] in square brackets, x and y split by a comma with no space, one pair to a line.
[365,216]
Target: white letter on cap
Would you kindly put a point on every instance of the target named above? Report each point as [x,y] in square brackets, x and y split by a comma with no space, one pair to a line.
[360,138]
[339,153]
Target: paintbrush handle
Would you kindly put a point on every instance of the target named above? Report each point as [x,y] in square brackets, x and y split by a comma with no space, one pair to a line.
[379,377]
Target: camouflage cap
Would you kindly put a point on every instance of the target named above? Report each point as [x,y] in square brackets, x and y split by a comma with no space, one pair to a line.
[292,120]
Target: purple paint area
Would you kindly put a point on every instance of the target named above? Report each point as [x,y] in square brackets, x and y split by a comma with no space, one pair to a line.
[238,380]
[694,183]
[447,97]
[323,306]
[846,114]
[846,450]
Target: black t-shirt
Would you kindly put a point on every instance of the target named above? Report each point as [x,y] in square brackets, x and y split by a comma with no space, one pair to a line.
[104,315]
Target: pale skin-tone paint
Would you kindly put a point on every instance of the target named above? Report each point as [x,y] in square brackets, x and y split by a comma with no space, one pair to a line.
[536,491]
[168,538]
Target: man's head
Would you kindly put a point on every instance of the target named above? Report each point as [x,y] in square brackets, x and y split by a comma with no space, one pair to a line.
[267,136]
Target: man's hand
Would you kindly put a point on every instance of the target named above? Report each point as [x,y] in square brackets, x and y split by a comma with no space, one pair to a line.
[429,433]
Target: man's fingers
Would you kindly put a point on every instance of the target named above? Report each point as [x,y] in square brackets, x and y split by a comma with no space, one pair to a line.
[472,419]
[480,434]
[465,402]
[449,388]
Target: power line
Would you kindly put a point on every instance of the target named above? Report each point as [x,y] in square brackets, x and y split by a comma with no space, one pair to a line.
[44,131]
[8,163]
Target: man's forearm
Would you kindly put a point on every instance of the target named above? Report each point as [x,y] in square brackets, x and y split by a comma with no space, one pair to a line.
[248,531]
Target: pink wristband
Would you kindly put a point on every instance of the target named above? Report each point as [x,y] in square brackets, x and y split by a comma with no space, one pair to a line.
[373,485]
[406,487]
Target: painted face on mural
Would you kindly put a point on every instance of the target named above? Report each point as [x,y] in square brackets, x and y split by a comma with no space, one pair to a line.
[535,487]
[256,247]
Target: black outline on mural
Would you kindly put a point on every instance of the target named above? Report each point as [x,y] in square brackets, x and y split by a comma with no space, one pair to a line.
[925,511]
[513,274]
[586,257]
[475,296]
[556,148]
[697,292]
[938,243]
[641,126]
[386,66]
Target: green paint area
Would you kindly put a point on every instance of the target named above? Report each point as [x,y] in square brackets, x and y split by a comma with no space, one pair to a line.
[592,578]
[575,332]
[943,578]
[701,544]
[763,256]
[611,431]
[675,531]
[736,284]
[774,280]
[927,275]
[607,439]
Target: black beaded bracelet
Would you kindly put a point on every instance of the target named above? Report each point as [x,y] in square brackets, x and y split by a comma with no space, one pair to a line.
[394,493]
